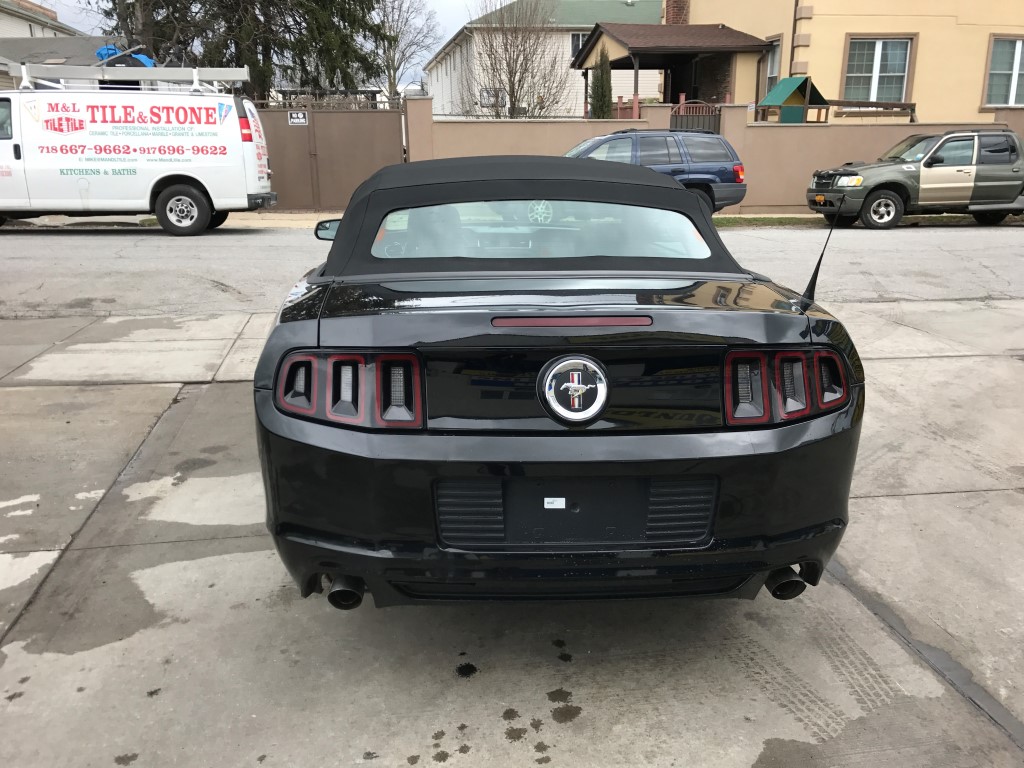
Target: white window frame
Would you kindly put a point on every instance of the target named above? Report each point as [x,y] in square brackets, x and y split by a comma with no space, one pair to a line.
[1018,51]
[493,97]
[877,64]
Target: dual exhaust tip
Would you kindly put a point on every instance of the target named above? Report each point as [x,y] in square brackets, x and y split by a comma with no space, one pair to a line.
[346,592]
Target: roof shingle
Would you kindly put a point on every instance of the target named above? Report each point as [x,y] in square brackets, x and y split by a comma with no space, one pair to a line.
[641,37]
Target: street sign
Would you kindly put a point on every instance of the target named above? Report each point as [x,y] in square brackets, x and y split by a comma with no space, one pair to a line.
[298,118]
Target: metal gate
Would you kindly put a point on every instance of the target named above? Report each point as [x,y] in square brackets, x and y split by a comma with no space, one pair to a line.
[696,116]
[319,157]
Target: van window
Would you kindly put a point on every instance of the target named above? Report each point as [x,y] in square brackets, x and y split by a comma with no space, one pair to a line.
[6,130]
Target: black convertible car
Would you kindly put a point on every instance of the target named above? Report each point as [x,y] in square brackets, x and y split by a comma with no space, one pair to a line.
[547,378]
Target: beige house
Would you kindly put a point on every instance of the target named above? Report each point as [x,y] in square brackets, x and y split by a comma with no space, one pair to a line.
[958,61]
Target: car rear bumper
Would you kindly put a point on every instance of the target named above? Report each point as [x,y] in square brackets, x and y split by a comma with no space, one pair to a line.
[262,200]
[728,194]
[825,202]
[363,504]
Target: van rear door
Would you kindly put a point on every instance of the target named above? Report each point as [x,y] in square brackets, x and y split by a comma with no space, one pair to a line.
[13,186]
[254,148]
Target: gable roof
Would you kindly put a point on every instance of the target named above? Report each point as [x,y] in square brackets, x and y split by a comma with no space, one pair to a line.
[36,14]
[788,86]
[670,38]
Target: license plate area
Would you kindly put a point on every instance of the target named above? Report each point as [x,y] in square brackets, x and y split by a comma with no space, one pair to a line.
[575,511]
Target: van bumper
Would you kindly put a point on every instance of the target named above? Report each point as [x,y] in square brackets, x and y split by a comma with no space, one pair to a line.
[262,200]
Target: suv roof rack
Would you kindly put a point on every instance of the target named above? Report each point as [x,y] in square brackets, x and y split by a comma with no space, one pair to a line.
[978,130]
[665,130]
[50,75]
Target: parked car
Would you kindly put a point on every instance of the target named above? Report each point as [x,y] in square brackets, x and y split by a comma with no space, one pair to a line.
[459,405]
[963,171]
[190,157]
[702,161]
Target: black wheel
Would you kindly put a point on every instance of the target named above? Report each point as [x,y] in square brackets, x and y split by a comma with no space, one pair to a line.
[841,222]
[218,218]
[989,218]
[705,199]
[882,210]
[183,210]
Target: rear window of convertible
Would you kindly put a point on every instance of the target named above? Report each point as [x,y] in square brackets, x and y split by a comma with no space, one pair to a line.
[537,229]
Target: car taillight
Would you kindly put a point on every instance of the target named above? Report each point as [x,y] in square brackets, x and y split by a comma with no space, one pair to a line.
[739,175]
[763,387]
[367,390]
[243,124]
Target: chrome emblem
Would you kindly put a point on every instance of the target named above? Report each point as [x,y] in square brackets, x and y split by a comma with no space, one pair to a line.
[574,389]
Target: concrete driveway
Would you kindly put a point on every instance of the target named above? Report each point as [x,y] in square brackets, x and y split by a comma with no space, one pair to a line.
[146,620]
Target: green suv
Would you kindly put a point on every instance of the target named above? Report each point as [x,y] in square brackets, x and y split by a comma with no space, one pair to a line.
[979,172]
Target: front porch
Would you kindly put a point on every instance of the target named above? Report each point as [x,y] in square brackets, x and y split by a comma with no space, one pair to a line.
[707,62]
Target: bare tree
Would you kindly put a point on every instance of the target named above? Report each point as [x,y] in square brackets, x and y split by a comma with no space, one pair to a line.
[519,64]
[412,35]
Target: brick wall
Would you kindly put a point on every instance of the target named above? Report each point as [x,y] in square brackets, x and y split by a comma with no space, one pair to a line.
[677,11]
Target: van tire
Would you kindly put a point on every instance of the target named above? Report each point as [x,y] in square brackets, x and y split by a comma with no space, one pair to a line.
[218,218]
[183,210]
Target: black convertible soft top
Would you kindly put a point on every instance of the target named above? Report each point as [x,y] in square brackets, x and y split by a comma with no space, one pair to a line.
[523,177]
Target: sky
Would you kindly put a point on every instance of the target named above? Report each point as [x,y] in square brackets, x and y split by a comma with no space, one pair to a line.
[451,14]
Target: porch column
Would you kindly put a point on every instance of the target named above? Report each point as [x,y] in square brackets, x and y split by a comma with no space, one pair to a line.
[586,93]
[636,86]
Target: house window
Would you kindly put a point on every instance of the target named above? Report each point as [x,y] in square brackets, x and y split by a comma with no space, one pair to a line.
[1006,73]
[876,70]
[579,39]
[493,97]
[773,65]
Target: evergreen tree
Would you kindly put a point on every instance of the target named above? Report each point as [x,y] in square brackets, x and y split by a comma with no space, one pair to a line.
[601,88]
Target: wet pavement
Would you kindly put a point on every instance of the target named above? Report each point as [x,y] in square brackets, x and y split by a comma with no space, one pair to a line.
[146,620]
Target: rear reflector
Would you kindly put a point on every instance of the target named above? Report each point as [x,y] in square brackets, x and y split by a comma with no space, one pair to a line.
[569,322]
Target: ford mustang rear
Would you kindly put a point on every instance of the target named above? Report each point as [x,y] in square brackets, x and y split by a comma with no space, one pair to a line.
[471,401]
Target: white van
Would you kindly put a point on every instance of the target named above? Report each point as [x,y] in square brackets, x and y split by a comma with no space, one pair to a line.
[188,156]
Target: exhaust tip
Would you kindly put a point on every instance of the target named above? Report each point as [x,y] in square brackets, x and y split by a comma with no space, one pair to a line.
[346,593]
[785,584]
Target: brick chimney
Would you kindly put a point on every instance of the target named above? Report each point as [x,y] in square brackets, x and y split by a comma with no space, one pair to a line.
[677,11]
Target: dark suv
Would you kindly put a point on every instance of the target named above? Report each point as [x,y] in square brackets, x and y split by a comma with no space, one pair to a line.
[702,161]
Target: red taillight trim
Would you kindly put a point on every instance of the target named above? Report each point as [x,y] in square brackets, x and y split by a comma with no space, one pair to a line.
[780,357]
[245,128]
[417,397]
[822,405]
[739,173]
[570,322]
[360,417]
[765,417]
[314,375]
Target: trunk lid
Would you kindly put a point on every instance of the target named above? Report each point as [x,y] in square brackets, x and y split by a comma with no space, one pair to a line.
[482,355]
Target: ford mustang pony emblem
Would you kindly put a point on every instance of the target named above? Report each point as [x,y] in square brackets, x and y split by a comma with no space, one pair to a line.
[573,389]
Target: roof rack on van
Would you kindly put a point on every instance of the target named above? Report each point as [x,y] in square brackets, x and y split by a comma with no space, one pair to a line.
[50,76]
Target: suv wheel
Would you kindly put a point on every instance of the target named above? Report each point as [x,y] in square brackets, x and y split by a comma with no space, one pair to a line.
[882,210]
[989,218]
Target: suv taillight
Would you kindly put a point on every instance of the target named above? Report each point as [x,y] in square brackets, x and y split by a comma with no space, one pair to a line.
[243,125]
[739,175]
[381,390]
[770,387]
